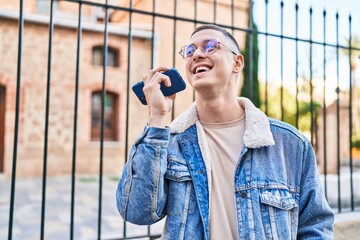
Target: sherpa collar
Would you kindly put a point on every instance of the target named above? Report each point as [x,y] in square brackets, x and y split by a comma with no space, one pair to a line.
[257,128]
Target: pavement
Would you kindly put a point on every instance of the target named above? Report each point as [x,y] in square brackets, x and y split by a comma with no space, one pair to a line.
[27,209]
[28,200]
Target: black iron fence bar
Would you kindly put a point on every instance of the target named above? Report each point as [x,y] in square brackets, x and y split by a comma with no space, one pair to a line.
[350,119]
[128,95]
[266,56]
[47,110]
[78,51]
[103,96]
[174,51]
[282,59]
[153,35]
[232,16]
[195,22]
[215,8]
[152,57]
[16,124]
[338,110]
[297,63]
[195,12]
[324,104]
[250,76]
[311,84]
[160,15]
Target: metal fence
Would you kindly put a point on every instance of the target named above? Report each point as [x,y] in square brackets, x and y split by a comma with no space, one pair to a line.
[266,36]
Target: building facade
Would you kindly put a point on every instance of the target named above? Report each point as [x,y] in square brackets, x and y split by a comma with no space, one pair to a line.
[151,45]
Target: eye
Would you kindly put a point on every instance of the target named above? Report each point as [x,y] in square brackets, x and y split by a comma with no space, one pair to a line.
[210,46]
[189,51]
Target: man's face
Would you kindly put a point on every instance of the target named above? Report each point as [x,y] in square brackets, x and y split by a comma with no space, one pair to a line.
[208,73]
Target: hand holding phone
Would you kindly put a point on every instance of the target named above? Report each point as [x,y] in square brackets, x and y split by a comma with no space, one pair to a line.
[177,84]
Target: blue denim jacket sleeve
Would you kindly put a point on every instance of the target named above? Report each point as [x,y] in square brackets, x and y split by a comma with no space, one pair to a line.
[142,191]
[315,216]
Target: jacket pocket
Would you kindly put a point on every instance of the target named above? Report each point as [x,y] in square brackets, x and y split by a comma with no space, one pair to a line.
[177,170]
[279,213]
[181,195]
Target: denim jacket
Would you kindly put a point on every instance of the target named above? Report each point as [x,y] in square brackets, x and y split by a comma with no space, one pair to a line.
[277,191]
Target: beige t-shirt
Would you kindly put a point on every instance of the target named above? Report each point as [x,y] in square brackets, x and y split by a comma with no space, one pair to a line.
[225,142]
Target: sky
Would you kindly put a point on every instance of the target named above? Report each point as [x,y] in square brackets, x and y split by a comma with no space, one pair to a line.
[344,8]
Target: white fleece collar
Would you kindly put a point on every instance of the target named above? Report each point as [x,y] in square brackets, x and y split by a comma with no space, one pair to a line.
[257,128]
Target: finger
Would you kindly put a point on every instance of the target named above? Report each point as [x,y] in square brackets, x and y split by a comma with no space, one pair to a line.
[166,80]
[159,78]
[158,69]
[152,72]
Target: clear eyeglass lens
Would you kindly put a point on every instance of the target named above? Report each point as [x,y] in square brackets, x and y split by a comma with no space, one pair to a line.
[189,51]
[210,47]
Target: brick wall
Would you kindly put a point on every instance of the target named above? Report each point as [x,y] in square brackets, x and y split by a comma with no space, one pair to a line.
[30,152]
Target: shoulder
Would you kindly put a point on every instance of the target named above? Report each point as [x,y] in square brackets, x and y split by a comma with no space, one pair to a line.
[283,129]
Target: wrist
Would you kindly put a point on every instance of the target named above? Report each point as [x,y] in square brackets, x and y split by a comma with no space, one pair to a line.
[157,121]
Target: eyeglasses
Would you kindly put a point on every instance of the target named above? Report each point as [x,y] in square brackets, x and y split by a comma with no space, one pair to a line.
[208,47]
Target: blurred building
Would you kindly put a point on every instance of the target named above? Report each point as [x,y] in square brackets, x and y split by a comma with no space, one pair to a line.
[328,150]
[169,36]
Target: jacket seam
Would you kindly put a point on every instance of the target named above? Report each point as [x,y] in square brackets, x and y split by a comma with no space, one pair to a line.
[127,191]
[267,186]
[156,185]
[301,138]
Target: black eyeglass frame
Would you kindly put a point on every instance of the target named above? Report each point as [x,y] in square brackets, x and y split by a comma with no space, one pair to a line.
[182,49]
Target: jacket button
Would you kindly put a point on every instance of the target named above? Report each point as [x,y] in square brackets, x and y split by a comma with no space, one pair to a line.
[200,172]
[243,195]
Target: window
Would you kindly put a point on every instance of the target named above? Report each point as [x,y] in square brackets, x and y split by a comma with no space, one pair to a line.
[113,56]
[110,116]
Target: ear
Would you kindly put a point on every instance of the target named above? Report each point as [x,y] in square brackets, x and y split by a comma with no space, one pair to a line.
[239,63]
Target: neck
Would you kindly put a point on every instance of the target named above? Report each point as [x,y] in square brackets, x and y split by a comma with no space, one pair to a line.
[219,109]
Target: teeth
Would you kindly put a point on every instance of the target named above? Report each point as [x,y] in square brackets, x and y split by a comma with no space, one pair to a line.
[202,68]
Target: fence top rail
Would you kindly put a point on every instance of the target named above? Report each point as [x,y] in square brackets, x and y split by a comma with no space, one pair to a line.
[176,18]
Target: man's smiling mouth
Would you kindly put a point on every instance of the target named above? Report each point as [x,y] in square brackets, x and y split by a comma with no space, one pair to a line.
[201,69]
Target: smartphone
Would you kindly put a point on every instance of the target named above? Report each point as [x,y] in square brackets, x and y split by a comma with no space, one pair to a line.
[177,84]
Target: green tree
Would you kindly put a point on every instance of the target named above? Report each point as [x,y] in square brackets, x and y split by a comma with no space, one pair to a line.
[250,88]
[274,110]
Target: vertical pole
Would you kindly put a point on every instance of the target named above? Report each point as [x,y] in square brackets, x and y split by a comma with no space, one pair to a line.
[174,53]
[153,35]
[16,124]
[251,57]
[75,124]
[47,112]
[195,23]
[266,56]
[152,55]
[311,84]
[324,105]
[282,60]
[297,64]
[338,110]
[350,119]
[127,93]
[232,16]
[103,99]
[215,9]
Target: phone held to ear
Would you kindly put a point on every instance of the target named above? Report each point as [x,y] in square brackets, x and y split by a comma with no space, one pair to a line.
[177,84]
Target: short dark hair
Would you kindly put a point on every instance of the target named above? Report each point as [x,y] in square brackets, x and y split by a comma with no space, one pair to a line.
[217,28]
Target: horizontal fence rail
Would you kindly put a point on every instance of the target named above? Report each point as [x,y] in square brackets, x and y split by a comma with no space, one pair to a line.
[308,92]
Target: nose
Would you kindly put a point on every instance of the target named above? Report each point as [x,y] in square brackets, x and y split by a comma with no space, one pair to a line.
[198,54]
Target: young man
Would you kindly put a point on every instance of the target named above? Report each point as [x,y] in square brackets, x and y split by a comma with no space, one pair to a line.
[222,170]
